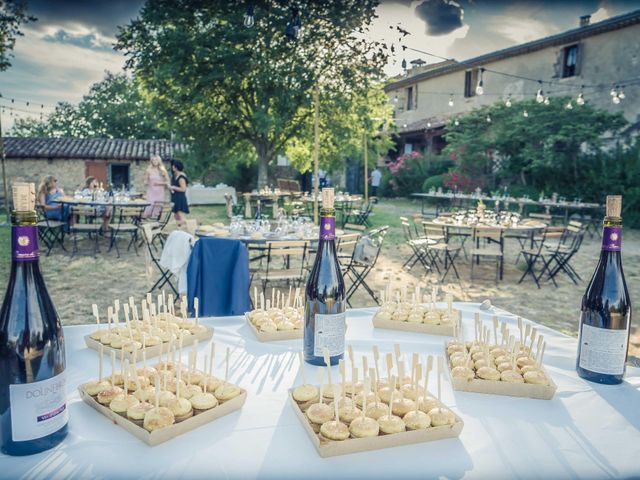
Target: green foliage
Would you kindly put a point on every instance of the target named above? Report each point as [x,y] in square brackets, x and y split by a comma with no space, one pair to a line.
[251,88]
[407,174]
[113,108]
[435,181]
[12,16]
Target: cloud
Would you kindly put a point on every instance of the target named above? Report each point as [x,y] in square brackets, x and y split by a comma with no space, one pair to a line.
[521,29]
[441,16]
[91,40]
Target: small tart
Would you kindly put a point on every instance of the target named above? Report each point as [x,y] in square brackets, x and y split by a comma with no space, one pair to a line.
[376,410]
[145,394]
[530,368]
[478,364]
[328,390]
[116,341]
[138,411]
[319,413]
[511,376]
[197,329]
[165,366]
[442,416]
[268,326]
[414,318]
[402,406]
[348,413]
[334,430]
[157,418]
[498,352]
[203,401]
[105,396]
[385,393]
[106,339]
[166,397]
[504,366]
[131,346]
[459,361]
[488,373]
[194,377]
[95,387]
[227,391]
[431,318]
[211,383]
[408,391]
[285,326]
[343,402]
[121,403]
[427,404]
[359,398]
[399,316]
[463,372]
[384,315]
[456,347]
[181,408]
[98,334]
[417,420]
[305,393]
[116,379]
[364,427]
[525,361]
[391,424]
[189,391]
[537,377]
[147,371]
[172,385]
[152,341]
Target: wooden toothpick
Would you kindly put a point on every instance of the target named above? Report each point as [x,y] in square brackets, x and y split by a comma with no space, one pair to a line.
[302,372]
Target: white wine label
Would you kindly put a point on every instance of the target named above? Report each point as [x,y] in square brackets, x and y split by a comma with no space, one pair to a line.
[38,409]
[603,350]
[329,333]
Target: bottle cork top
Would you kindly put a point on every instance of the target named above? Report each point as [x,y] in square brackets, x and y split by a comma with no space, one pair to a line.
[24,196]
[614,205]
[327,197]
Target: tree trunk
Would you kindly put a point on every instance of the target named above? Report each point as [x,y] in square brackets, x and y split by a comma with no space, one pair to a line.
[264,157]
[523,177]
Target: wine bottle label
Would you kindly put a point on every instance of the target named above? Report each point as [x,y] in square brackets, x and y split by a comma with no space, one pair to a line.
[38,409]
[327,228]
[612,239]
[24,242]
[603,350]
[329,333]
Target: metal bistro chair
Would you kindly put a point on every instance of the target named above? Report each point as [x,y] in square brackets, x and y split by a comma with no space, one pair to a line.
[418,246]
[488,242]
[85,224]
[125,220]
[285,262]
[148,236]
[537,253]
[360,216]
[363,261]
[564,252]
[440,245]
[345,246]
[50,232]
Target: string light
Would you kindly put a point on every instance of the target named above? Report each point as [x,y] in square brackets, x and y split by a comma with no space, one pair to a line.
[621,94]
[395,98]
[488,119]
[404,64]
[569,105]
[546,100]
[249,19]
[451,100]
[525,114]
[508,102]
[479,88]
[580,99]
[540,93]
[428,124]
[456,122]
[615,99]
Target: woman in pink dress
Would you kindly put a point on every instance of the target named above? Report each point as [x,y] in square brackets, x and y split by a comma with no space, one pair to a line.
[157,179]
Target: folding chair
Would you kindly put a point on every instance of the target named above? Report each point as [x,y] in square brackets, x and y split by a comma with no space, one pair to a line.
[488,242]
[363,261]
[564,252]
[286,261]
[418,246]
[125,220]
[537,253]
[148,234]
[360,216]
[84,224]
[345,245]
[50,231]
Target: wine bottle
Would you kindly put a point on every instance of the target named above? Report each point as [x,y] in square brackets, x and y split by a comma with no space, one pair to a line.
[606,308]
[33,410]
[324,311]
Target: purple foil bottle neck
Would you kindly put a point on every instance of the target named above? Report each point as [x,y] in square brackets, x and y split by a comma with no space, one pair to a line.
[612,239]
[24,243]
[327,228]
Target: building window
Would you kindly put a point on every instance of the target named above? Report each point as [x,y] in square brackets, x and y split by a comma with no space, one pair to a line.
[570,61]
[410,98]
[470,81]
[119,174]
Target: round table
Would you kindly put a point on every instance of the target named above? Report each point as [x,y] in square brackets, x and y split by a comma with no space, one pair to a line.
[101,203]
[526,226]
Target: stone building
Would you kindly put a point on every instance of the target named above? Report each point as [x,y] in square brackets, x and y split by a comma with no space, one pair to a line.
[601,56]
[118,162]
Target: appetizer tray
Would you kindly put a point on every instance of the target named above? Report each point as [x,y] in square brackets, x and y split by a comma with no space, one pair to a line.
[167,433]
[295,334]
[331,448]
[445,329]
[151,351]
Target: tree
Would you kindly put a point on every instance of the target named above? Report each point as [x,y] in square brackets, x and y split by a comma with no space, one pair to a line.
[250,88]
[12,16]
[540,149]
[113,108]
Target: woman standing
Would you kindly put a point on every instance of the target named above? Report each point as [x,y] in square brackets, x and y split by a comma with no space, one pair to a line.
[157,179]
[48,193]
[178,191]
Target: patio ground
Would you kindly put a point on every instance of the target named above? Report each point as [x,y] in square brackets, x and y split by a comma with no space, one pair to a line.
[76,283]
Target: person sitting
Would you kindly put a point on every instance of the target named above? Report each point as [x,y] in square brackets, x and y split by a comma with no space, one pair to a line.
[90,190]
[48,193]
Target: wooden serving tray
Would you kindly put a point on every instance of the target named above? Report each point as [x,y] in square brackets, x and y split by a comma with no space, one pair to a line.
[153,351]
[274,336]
[496,387]
[162,435]
[330,448]
[446,330]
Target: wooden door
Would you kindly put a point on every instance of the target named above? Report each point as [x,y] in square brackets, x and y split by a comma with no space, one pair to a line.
[97,169]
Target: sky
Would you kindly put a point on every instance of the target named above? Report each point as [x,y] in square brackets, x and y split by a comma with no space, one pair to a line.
[70,46]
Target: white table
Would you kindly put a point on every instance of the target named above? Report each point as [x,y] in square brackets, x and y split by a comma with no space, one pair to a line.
[586,431]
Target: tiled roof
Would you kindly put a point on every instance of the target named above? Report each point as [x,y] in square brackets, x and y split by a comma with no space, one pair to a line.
[90,148]
[573,35]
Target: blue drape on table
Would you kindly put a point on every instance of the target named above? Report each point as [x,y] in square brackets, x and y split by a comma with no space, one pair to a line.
[218,274]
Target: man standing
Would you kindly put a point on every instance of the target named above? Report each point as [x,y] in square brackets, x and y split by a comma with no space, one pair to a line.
[374,178]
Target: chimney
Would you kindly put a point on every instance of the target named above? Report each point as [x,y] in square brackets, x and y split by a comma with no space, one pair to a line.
[585,20]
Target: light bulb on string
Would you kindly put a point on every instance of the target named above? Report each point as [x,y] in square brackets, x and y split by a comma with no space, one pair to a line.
[508,102]
[615,99]
[569,105]
[540,94]
[404,64]
[249,19]
[525,114]
[580,99]
[546,100]
[621,94]
[451,100]
[456,122]
[613,92]
[404,125]
[488,119]
[479,87]
[428,124]
[395,98]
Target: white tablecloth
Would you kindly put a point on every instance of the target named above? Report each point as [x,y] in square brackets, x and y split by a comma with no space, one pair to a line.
[586,431]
